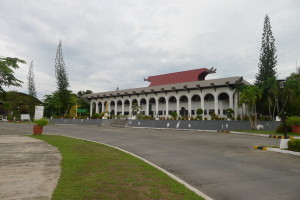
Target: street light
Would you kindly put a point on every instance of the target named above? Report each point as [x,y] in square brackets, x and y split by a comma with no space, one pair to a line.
[283,113]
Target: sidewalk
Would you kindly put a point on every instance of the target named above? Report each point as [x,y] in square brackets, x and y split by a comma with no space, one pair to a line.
[29,168]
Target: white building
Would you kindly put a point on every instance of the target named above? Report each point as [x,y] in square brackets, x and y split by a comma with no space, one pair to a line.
[183,92]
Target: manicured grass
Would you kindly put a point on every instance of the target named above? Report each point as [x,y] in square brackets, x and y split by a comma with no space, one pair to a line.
[268,132]
[95,171]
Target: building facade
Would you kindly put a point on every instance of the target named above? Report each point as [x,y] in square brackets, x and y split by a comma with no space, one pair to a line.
[182,92]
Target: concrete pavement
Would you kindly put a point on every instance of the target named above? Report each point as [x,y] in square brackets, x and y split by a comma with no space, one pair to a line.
[29,168]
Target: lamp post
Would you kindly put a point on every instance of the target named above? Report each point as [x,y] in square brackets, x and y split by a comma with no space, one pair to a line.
[283,113]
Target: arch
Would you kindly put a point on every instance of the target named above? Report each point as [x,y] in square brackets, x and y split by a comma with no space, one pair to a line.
[223,103]
[134,106]
[93,107]
[183,105]
[172,101]
[152,106]
[195,104]
[209,102]
[126,107]
[112,107]
[119,107]
[105,106]
[162,106]
[100,106]
[143,105]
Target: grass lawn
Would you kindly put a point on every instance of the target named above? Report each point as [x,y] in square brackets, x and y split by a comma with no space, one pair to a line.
[268,132]
[94,171]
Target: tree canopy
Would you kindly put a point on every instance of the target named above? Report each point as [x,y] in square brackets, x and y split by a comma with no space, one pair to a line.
[31,83]
[7,77]
[266,75]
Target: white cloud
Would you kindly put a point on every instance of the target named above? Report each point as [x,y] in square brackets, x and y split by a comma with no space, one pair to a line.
[117,43]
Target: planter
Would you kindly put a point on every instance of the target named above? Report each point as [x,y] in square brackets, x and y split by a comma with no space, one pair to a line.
[37,130]
[296,129]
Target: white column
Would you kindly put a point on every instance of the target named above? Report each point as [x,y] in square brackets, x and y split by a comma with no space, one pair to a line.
[235,106]
[189,106]
[216,104]
[147,107]
[202,105]
[108,107]
[122,106]
[103,106]
[231,100]
[130,105]
[156,107]
[97,107]
[91,108]
[167,107]
[139,104]
[116,107]
[177,105]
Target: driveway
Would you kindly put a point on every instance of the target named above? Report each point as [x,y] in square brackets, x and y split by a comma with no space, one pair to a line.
[223,166]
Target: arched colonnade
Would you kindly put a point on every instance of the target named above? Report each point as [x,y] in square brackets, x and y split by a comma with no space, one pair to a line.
[185,103]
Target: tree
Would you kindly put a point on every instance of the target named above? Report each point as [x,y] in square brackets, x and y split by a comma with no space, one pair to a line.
[292,91]
[249,96]
[267,64]
[7,77]
[135,108]
[62,80]
[31,83]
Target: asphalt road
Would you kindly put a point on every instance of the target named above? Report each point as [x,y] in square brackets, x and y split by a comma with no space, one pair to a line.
[223,166]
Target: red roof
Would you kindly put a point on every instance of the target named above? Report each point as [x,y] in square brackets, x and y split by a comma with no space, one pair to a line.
[179,77]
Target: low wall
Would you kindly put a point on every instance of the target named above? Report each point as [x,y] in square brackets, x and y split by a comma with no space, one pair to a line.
[77,121]
[178,124]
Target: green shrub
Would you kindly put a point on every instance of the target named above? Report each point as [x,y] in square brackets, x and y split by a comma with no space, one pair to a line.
[294,145]
[246,118]
[95,116]
[294,120]
[199,118]
[41,122]
[279,129]
[174,114]
[199,111]
[238,117]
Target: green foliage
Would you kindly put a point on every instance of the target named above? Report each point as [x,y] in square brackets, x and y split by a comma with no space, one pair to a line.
[174,115]
[61,75]
[292,90]
[41,122]
[229,113]
[135,108]
[199,118]
[7,77]
[267,69]
[294,120]
[16,103]
[279,129]
[199,111]
[31,84]
[96,116]
[294,145]
[267,60]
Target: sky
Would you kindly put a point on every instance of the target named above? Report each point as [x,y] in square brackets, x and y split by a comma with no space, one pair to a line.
[117,43]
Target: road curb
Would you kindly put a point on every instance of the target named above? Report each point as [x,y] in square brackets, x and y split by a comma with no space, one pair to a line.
[198,192]
[280,137]
[260,148]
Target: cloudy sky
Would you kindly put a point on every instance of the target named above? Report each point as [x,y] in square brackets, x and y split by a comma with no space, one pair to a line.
[116,43]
